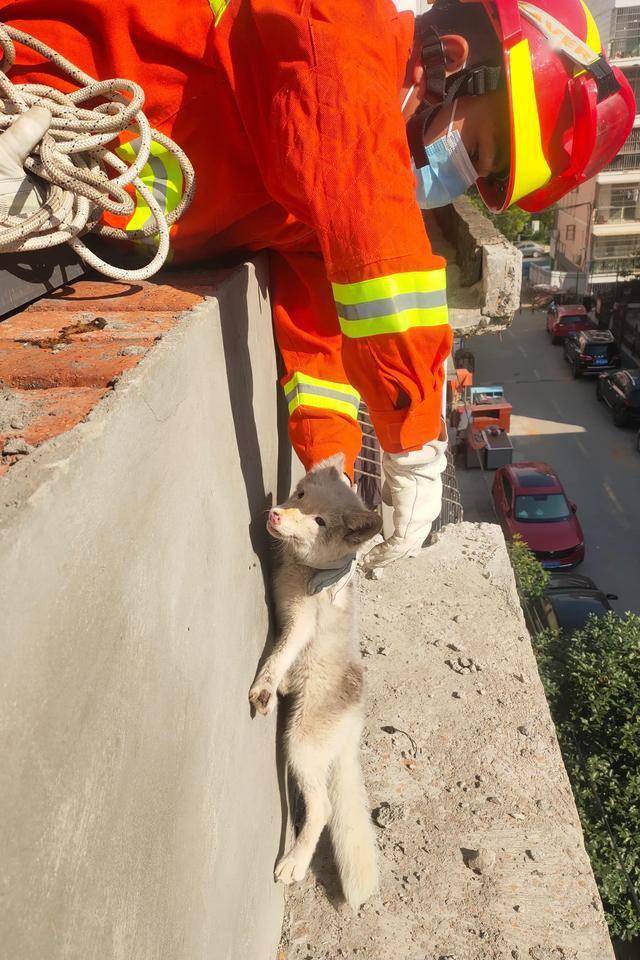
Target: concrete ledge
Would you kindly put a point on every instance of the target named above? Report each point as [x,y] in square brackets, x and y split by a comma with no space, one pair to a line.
[484,270]
[486,775]
[141,809]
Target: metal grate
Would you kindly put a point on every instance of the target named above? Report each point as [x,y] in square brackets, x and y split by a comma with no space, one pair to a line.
[368,476]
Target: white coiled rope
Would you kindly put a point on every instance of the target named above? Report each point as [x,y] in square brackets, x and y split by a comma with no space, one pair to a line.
[73,157]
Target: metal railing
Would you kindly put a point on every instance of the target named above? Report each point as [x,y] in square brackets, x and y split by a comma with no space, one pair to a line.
[624,48]
[620,266]
[624,214]
[368,476]
[624,161]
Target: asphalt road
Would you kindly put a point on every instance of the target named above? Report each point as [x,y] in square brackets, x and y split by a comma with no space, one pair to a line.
[558,420]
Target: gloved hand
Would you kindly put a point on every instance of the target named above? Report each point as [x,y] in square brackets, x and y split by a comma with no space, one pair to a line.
[21,195]
[413,487]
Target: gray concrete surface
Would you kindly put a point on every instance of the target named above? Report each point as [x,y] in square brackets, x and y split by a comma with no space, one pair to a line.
[140,805]
[473,765]
[484,270]
[558,420]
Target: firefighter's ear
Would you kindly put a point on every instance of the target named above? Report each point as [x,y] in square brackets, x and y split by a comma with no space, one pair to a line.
[456,52]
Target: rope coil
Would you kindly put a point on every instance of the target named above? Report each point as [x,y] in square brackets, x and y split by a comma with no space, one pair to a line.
[73,157]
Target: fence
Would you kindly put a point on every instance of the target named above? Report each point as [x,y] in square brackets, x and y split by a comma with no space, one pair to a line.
[369,478]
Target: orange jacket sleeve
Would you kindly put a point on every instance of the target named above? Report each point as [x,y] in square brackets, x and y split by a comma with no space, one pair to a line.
[321,103]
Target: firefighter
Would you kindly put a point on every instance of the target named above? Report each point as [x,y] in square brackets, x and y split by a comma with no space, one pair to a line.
[317,129]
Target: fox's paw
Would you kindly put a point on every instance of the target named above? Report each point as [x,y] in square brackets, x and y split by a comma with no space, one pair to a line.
[263,696]
[291,868]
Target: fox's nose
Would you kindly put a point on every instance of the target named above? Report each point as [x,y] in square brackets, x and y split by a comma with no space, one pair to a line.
[274,518]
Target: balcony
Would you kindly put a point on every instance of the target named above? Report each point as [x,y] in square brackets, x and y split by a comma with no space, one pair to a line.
[626,159]
[624,214]
[617,221]
[625,48]
[615,266]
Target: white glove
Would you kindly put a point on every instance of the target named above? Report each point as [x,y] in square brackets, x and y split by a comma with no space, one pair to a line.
[413,486]
[20,194]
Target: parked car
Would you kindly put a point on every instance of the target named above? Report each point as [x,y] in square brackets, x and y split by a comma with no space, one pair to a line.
[567,603]
[563,320]
[621,392]
[591,351]
[530,249]
[530,501]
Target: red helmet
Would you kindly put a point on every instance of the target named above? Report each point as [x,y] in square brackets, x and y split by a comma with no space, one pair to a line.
[570,110]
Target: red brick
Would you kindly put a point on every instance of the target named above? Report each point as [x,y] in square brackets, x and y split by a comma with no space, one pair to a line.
[41,324]
[77,365]
[171,292]
[47,413]
[60,382]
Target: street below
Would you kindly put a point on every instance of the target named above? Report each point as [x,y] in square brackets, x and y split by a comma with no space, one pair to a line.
[558,420]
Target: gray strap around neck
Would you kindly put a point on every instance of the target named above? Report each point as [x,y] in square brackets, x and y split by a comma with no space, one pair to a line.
[321,579]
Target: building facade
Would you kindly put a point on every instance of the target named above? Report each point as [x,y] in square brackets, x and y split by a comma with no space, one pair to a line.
[597,233]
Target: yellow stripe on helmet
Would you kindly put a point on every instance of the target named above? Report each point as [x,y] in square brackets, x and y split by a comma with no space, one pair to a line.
[531,170]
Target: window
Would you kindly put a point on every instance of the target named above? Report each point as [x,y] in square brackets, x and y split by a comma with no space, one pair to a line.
[542,507]
[625,32]
[570,231]
[506,487]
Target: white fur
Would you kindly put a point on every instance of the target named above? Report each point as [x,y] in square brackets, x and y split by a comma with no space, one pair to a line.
[315,660]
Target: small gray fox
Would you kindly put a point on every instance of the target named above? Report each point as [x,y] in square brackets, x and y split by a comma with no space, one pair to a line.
[316,662]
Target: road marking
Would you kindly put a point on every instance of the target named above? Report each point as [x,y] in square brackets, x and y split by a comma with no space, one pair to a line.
[581,447]
[522,350]
[616,503]
[536,374]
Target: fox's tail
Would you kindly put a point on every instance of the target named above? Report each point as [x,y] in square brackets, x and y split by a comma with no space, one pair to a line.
[352,831]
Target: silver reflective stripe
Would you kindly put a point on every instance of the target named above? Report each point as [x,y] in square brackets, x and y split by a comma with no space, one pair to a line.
[390,305]
[293,391]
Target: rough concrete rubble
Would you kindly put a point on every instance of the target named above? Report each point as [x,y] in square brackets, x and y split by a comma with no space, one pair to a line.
[481,850]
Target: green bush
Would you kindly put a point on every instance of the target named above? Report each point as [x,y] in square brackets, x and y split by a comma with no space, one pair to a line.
[592,682]
[531,577]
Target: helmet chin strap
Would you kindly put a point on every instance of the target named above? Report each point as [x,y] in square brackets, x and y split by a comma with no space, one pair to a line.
[440,90]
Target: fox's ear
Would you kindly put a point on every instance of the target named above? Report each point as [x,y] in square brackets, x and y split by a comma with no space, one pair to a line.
[361,525]
[334,464]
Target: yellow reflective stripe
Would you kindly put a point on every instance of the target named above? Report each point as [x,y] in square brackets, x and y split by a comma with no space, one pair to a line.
[422,281]
[161,174]
[218,7]
[310,400]
[304,390]
[593,34]
[392,304]
[531,170]
[395,322]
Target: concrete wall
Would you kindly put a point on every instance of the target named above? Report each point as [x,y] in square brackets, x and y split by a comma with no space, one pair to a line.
[141,809]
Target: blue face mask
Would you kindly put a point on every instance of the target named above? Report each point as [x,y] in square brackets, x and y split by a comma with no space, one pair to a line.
[448,174]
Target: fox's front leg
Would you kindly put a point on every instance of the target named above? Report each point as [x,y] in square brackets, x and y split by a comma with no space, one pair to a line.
[271,676]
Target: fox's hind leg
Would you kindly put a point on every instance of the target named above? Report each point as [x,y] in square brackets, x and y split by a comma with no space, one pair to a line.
[310,766]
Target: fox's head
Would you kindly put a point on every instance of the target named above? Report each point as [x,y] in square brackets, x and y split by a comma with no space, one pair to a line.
[324,520]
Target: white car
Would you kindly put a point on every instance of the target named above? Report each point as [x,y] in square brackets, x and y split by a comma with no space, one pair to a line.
[530,249]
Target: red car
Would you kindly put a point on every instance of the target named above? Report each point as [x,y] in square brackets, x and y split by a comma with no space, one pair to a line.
[571,318]
[530,500]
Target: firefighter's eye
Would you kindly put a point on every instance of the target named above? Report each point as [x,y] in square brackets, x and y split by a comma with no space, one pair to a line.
[320,522]
[300,494]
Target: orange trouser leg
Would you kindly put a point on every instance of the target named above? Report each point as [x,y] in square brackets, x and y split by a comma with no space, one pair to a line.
[322,405]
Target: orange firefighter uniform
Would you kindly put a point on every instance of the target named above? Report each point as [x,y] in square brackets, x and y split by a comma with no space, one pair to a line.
[290,113]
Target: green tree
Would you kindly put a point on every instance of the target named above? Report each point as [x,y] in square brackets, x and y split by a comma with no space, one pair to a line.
[592,682]
[515,223]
